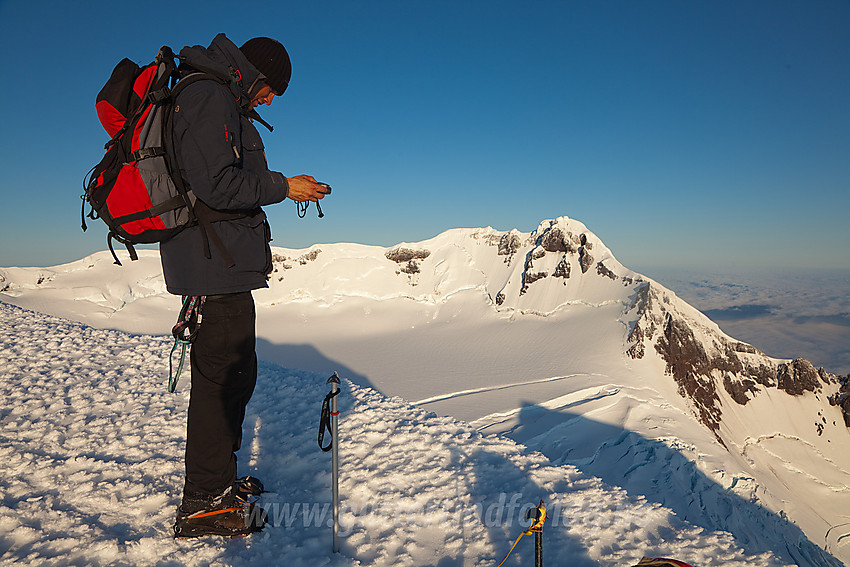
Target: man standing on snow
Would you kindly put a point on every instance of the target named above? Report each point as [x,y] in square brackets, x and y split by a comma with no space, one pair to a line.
[219,261]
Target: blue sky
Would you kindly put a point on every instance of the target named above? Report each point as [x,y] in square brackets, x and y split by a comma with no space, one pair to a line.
[683,133]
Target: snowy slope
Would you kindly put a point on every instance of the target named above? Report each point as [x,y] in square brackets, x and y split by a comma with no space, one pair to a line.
[91,447]
[546,338]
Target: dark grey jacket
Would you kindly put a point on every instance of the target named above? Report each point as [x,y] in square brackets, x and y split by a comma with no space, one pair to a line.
[223,162]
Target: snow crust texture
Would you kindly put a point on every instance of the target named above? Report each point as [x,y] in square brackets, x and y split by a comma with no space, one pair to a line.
[91,450]
[543,338]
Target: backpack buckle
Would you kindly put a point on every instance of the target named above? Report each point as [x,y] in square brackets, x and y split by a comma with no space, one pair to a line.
[145,153]
[159,95]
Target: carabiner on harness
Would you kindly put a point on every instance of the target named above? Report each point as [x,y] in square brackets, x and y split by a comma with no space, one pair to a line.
[184,332]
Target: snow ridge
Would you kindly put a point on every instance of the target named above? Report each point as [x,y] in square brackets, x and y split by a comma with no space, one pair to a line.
[545,338]
[91,447]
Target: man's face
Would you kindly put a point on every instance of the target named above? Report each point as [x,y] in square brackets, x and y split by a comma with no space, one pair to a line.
[264,96]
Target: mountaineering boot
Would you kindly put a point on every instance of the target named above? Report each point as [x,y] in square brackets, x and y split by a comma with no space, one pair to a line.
[222,515]
[246,487]
[233,521]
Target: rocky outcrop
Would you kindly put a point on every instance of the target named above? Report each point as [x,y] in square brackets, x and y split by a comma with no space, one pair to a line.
[529,275]
[279,261]
[691,367]
[643,329]
[554,240]
[739,390]
[408,260]
[562,270]
[602,270]
[585,259]
[842,398]
[406,255]
[509,244]
[403,255]
[799,376]
[704,362]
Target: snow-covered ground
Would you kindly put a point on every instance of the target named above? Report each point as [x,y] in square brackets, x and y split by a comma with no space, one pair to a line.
[483,371]
[92,444]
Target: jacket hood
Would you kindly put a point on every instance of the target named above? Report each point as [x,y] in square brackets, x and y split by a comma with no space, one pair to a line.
[224,58]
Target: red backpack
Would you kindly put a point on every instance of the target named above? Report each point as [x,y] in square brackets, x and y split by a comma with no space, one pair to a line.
[136,189]
[661,562]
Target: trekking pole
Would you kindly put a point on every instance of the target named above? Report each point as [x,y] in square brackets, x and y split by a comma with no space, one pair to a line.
[334,381]
[538,548]
[538,515]
[330,421]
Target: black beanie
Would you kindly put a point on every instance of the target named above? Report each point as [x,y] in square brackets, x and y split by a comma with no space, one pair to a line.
[271,59]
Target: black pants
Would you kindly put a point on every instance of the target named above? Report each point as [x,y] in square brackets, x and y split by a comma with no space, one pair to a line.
[224,373]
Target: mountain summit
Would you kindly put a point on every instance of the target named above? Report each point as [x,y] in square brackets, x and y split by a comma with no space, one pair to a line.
[546,338]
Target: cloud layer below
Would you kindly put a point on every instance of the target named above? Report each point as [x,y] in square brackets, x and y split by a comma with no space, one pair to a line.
[785,314]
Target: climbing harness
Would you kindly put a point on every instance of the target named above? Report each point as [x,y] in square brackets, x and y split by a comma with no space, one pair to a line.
[539,516]
[184,332]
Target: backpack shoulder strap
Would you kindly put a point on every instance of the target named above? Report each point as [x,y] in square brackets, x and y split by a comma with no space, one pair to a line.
[202,73]
[194,78]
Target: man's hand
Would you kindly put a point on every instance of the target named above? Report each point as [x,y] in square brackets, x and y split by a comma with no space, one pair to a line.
[305,188]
